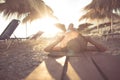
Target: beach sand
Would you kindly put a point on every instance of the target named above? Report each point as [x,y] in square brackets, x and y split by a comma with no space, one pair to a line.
[23,56]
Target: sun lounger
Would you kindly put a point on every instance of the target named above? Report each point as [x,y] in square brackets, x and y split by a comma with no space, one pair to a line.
[9,31]
[87,66]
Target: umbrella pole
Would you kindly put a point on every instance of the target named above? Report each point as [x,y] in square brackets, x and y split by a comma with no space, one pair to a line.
[26,29]
[98,26]
[111,27]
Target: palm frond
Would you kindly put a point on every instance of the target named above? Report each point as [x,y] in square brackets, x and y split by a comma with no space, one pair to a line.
[33,8]
[101,9]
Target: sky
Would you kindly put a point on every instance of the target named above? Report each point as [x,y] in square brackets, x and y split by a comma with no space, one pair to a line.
[67,11]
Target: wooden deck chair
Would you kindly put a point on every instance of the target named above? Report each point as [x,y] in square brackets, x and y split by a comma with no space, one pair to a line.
[9,30]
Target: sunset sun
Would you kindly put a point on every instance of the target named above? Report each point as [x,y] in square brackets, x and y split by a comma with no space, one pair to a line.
[65,11]
[46,25]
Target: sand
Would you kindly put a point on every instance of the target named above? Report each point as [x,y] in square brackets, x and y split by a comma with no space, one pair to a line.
[23,56]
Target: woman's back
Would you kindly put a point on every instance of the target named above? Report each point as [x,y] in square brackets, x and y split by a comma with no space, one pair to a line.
[73,41]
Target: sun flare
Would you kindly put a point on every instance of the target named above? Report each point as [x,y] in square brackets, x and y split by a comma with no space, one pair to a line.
[69,11]
[46,25]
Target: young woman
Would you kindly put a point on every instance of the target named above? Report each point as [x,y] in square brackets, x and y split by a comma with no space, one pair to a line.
[73,41]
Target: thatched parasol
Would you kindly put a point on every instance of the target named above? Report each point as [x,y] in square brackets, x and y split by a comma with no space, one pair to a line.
[98,10]
[33,9]
[95,15]
[104,5]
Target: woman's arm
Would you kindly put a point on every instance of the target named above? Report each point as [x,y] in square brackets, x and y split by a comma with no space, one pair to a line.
[52,47]
[97,46]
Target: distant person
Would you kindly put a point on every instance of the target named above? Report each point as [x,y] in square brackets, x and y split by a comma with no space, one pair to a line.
[73,41]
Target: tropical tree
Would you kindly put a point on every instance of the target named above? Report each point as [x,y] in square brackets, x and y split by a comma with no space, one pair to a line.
[31,9]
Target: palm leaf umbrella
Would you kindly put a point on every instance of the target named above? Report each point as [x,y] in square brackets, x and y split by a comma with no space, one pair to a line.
[99,5]
[104,5]
[33,9]
[96,15]
[98,9]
